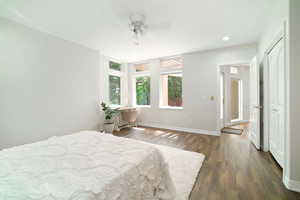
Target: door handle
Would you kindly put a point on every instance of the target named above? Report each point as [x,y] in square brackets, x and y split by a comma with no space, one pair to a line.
[258,107]
[275,110]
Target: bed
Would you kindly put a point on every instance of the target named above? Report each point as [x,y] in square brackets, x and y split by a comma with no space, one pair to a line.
[85,166]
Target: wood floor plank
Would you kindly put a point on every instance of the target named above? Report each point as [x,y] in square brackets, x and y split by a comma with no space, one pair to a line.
[233,169]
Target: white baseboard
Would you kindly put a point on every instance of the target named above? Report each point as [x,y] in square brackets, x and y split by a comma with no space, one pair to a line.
[183,129]
[291,184]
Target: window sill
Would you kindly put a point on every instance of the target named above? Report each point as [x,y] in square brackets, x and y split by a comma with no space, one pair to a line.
[236,120]
[171,107]
[143,106]
[115,106]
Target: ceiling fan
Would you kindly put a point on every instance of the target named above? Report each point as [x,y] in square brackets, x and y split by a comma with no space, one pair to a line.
[137,27]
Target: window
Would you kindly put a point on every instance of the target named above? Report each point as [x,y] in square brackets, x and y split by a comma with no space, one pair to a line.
[115,83]
[142,85]
[141,67]
[114,66]
[114,90]
[171,83]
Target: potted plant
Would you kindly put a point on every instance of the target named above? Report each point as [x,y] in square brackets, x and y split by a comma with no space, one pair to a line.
[109,124]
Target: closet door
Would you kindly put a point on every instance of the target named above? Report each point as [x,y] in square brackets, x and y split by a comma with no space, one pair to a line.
[276,94]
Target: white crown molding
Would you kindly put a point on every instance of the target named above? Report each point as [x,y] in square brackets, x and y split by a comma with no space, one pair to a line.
[183,129]
[291,184]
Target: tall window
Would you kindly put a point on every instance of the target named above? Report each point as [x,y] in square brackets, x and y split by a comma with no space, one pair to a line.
[142,85]
[171,82]
[115,80]
[114,90]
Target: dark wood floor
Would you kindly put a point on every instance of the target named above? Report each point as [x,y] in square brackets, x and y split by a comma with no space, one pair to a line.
[233,168]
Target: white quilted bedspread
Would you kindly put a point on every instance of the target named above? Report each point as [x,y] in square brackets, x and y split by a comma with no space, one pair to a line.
[84,166]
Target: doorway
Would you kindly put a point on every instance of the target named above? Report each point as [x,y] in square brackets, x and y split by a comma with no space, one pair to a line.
[234,94]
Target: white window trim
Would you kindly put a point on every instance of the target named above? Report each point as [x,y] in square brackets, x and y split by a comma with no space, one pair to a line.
[139,74]
[166,72]
[170,71]
[115,73]
[143,106]
[136,75]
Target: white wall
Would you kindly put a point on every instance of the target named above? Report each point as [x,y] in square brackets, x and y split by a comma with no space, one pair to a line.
[200,82]
[48,86]
[278,16]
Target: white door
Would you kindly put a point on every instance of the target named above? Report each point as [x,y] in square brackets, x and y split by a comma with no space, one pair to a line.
[254,126]
[276,102]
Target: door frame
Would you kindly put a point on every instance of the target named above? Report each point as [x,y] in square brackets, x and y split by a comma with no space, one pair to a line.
[281,35]
[221,100]
[241,63]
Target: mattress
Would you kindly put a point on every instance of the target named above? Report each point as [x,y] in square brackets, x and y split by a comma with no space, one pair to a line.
[84,166]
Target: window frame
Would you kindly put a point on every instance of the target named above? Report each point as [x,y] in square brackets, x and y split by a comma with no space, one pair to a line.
[167,71]
[121,73]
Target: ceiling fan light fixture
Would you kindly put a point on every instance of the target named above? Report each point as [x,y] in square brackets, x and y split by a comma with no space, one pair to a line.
[137,27]
[226,38]
[136,39]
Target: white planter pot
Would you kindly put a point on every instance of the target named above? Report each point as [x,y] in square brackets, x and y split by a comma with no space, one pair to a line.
[108,127]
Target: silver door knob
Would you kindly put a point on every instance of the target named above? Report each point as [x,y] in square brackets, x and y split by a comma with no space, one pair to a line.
[258,107]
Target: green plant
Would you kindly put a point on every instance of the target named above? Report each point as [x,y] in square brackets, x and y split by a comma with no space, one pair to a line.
[143,90]
[108,111]
[174,91]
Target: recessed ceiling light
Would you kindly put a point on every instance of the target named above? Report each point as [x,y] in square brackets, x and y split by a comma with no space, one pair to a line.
[226,38]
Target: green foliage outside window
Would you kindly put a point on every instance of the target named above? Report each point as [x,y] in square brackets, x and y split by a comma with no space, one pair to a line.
[114,66]
[174,90]
[143,90]
[115,90]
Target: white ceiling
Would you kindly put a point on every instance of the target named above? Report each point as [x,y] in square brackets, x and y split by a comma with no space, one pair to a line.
[174,26]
